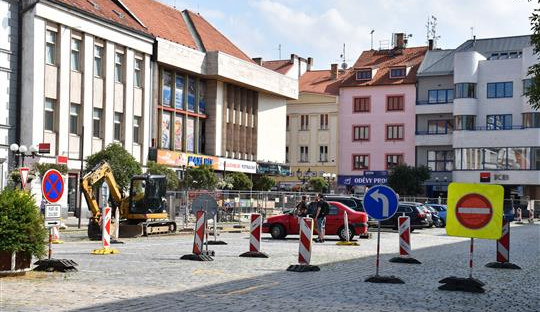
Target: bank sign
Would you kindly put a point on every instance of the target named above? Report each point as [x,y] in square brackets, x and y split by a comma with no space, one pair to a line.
[368,178]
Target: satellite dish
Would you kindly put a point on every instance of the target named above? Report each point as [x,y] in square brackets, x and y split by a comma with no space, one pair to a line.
[206,203]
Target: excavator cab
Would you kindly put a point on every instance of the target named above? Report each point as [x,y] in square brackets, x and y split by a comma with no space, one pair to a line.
[147,194]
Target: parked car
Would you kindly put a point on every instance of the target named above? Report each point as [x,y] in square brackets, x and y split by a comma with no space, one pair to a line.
[282,225]
[441,211]
[352,202]
[437,221]
[414,211]
[426,210]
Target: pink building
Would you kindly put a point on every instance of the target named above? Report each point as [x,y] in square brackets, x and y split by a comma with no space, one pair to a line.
[377,110]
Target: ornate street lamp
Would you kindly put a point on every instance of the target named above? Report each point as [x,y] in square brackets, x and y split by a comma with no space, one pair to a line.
[21,151]
[330,178]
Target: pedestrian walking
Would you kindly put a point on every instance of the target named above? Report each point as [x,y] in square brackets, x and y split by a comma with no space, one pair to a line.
[320,216]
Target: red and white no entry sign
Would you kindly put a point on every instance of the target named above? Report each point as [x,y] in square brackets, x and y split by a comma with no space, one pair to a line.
[474,211]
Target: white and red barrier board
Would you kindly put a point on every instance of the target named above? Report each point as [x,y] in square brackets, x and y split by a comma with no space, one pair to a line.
[106,232]
[255,237]
[306,235]
[200,229]
[404,236]
[503,244]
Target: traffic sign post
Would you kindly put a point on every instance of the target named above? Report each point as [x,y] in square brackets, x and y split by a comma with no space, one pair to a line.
[475,211]
[381,203]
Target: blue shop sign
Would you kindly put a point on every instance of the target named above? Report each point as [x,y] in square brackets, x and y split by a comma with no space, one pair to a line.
[368,178]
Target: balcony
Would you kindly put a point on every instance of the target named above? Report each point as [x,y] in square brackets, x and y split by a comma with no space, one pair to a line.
[430,107]
[509,136]
[426,138]
[465,106]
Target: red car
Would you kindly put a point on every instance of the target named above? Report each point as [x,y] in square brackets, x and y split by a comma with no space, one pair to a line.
[281,225]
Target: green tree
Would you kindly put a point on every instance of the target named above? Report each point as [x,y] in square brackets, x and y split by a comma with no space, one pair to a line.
[263,183]
[42,168]
[318,184]
[408,180]
[173,183]
[533,91]
[202,177]
[123,164]
[240,181]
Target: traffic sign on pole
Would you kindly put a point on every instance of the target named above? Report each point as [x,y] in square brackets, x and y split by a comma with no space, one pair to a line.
[52,186]
[380,202]
[23,171]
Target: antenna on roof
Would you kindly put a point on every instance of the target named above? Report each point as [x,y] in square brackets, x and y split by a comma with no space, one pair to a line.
[343,59]
[174,5]
[371,33]
[431,31]
[472,32]
[279,51]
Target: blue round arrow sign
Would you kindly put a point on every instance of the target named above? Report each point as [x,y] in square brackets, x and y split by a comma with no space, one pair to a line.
[52,186]
[380,202]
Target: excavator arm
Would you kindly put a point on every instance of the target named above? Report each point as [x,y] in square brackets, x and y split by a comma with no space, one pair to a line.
[102,171]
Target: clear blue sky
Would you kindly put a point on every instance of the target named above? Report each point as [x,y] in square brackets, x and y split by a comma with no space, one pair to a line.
[318,28]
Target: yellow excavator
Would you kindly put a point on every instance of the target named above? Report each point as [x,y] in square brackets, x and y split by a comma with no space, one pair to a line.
[142,213]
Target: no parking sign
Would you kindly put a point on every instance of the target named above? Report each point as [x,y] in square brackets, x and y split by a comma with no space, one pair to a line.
[52,186]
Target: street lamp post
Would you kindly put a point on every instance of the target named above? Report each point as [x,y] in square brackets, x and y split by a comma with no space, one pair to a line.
[21,151]
[330,178]
[303,176]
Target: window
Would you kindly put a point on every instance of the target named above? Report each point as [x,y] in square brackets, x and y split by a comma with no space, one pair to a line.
[499,122]
[118,126]
[527,84]
[324,121]
[360,162]
[397,72]
[49,122]
[440,126]
[361,105]
[465,90]
[304,156]
[96,116]
[363,75]
[74,118]
[137,129]
[137,79]
[323,153]
[239,117]
[509,158]
[227,115]
[98,61]
[500,90]
[287,123]
[465,122]
[75,54]
[440,160]
[118,67]
[505,55]
[395,103]
[531,120]
[440,96]
[360,133]
[394,132]
[393,160]
[304,122]
[286,154]
[166,91]
[51,47]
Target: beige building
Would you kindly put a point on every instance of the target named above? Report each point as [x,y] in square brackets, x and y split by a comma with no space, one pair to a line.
[312,123]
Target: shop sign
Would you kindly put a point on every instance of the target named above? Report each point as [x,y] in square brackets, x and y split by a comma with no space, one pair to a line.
[179,159]
[237,165]
[368,178]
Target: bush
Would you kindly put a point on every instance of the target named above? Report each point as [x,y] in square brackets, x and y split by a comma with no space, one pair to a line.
[263,183]
[200,178]
[408,180]
[173,183]
[21,225]
[240,181]
[318,184]
[123,165]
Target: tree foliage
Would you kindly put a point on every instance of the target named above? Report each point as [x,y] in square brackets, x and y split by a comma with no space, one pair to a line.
[263,183]
[123,164]
[42,168]
[318,184]
[240,181]
[533,91]
[408,180]
[173,183]
[202,177]
[21,226]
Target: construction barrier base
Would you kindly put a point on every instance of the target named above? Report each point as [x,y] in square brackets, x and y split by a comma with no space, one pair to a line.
[105,251]
[210,253]
[254,254]
[114,241]
[405,260]
[453,283]
[366,235]
[303,268]
[56,265]
[347,243]
[57,241]
[503,265]
[194,257]
[216,243]
[384,279]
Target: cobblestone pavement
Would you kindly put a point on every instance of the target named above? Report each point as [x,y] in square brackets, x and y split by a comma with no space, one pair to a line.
[147,275]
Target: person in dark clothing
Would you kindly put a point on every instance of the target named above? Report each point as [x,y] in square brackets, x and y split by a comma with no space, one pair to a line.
[320,216]
[301,208]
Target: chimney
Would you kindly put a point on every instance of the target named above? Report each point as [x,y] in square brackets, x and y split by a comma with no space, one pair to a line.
[430,44]
[334,71]
[309,63]
[399,41]
[293,57]
[258,60]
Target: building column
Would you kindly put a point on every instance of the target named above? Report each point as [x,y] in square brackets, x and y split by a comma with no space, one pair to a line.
[88,94]
[108,110]
[64,90]
[128,100]
[147,109]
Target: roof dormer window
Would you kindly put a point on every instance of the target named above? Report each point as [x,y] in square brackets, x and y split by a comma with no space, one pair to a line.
[398,72]
[364,74]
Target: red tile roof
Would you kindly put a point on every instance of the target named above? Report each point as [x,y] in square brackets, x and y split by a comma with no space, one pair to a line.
[383,60]
[162,21]
[320,81]
[280,66]
[104,9]
[213,40]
